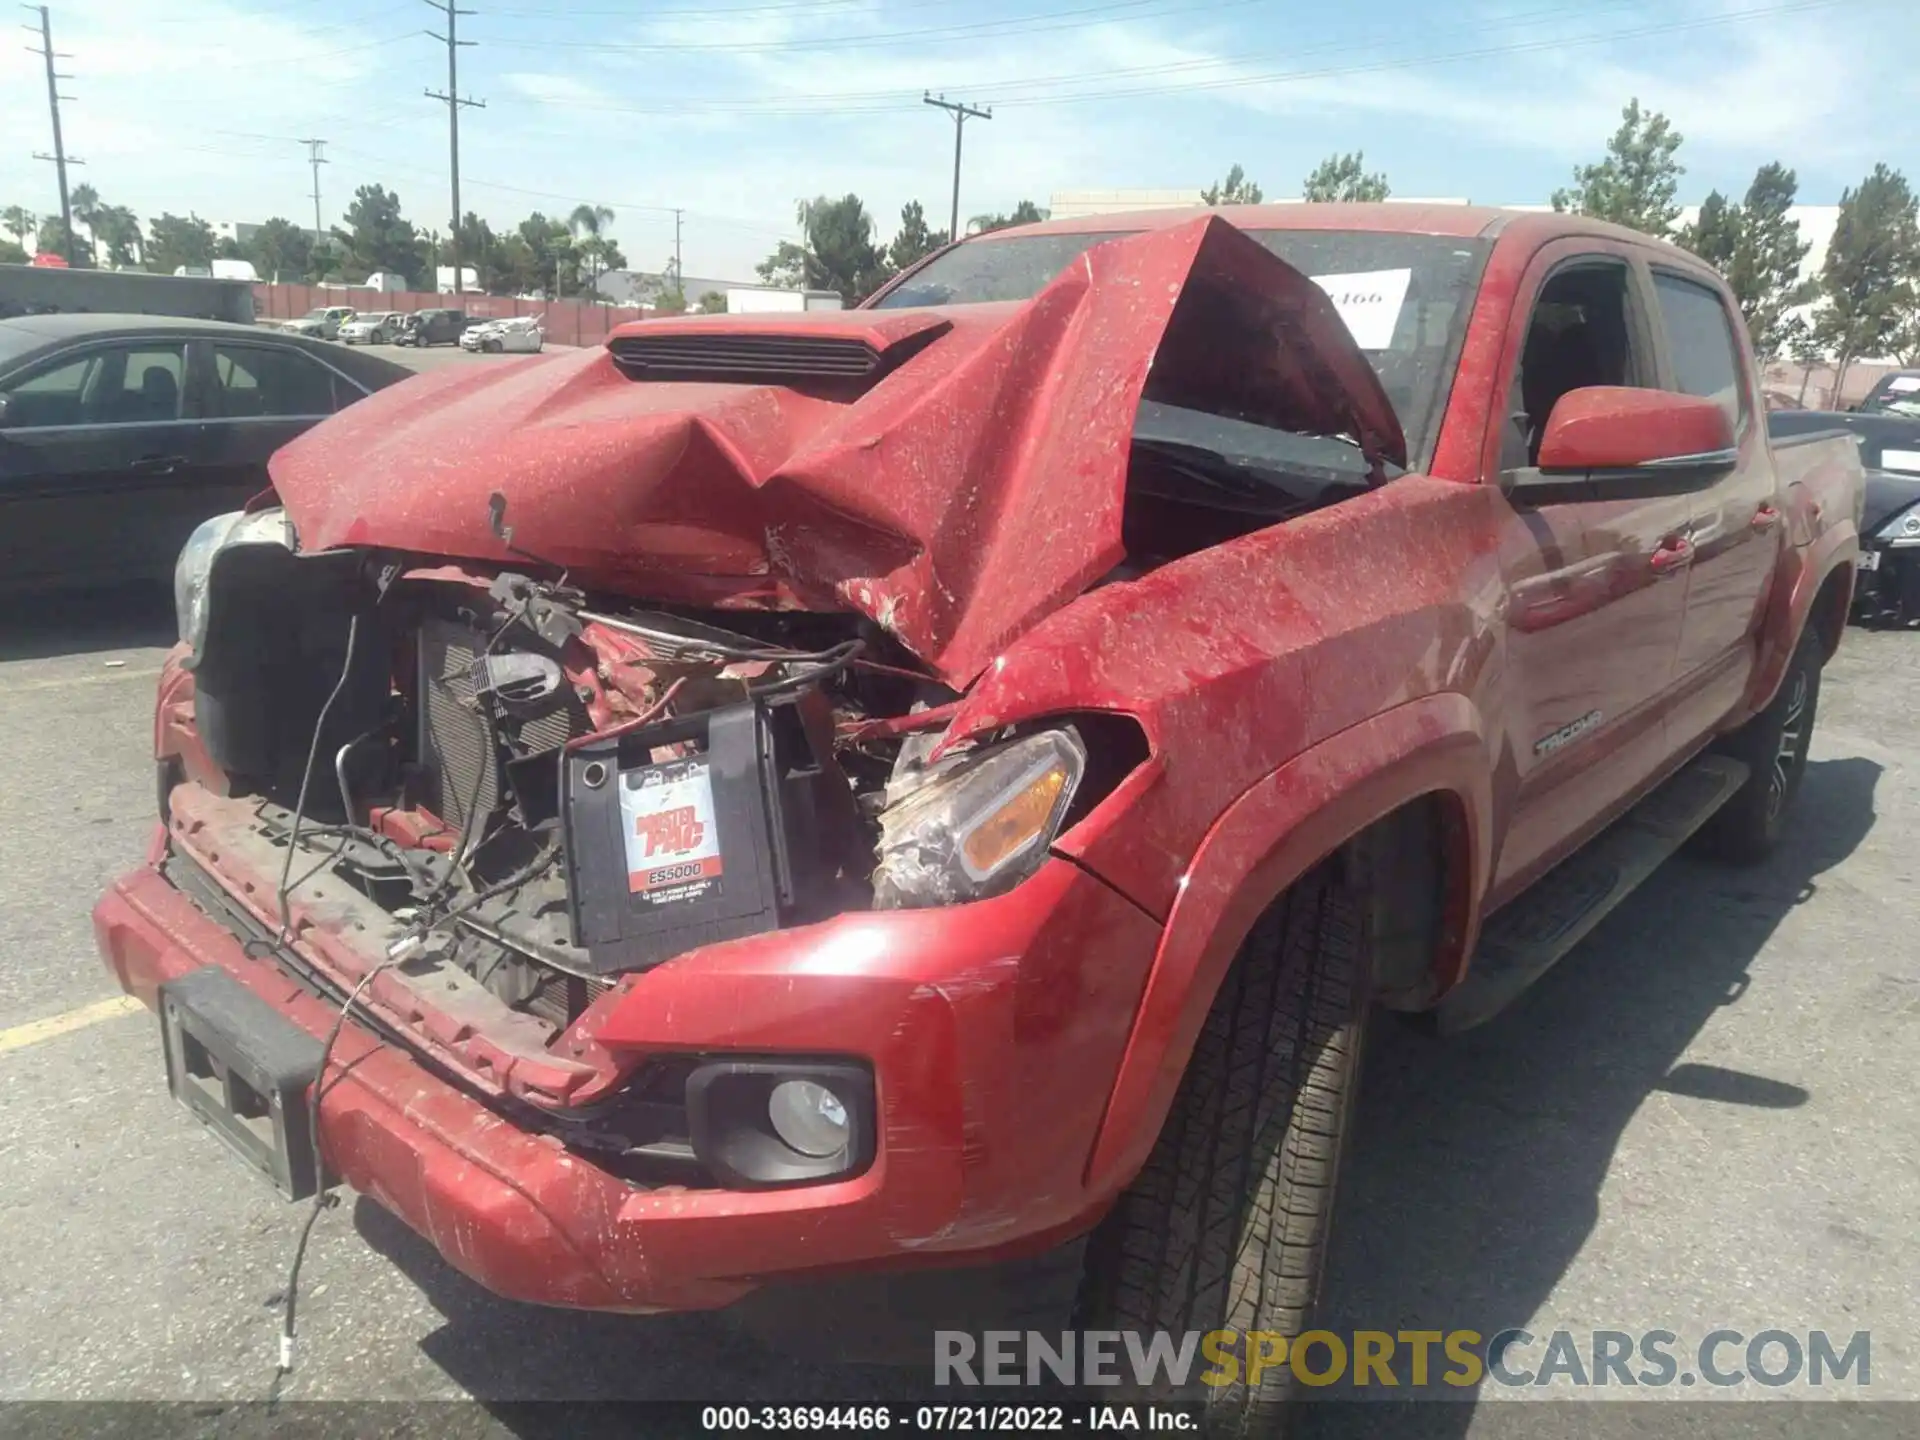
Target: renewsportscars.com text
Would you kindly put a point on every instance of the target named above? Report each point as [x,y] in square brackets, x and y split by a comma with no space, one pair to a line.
[1568,1359]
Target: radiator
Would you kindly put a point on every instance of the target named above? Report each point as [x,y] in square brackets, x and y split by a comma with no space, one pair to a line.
[457,747]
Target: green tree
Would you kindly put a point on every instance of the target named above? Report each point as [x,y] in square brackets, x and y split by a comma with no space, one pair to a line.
[1803,348]
[1872,271]
[19,222]
[174,241]
[913,241]
[1025,213]
[281,250]
[840,253]
[1636,184]
[712,303]
[1764,272]
[1236,189]
[53,237]
[588,224]
[1715,235]
[545,259]
[13,253]
[1757,247]
[378,238]
[118,228]
[84,202]
[1344,178]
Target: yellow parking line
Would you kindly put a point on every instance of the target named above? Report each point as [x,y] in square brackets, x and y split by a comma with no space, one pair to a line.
[34,1031]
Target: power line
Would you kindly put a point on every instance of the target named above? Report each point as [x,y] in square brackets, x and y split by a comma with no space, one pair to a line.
[454,102]
[961,114]
[59,157]
[1023,94]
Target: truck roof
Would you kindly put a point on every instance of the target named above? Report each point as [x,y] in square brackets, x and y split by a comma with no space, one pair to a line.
[1465,221]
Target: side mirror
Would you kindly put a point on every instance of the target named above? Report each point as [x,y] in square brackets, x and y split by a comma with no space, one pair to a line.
[1610,442]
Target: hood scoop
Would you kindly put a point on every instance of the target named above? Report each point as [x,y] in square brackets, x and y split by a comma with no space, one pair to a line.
[841,357]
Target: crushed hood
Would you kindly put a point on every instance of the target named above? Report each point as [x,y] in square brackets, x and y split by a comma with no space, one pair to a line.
[973,487]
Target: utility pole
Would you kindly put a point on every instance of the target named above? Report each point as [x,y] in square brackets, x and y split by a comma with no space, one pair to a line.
[961,114]
[316,159]
[679,278]
[59,157]
[454,102]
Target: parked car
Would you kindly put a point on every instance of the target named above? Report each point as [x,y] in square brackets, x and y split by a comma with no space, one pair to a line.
[121,433]
[1888,588]
[926,773]
[377,328]
[520,336]
[432,327]
[1895,393]
[323,322]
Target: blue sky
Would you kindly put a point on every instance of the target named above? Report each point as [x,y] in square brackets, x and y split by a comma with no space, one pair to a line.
[734,109]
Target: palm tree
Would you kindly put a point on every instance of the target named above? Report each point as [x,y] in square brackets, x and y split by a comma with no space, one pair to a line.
[118,228]
[589,221]
[19,222]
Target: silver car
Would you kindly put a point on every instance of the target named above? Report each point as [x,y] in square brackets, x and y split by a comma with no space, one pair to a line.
[377,327]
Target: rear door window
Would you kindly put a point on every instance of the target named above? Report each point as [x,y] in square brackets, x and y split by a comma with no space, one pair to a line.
[149,389]
[264,382]
[1701,344]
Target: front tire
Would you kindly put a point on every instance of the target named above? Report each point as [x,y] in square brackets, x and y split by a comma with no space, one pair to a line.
[1774,746]
[1226,1227]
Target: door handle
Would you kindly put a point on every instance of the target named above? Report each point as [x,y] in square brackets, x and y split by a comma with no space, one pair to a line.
[1674,555]
[157,464]
[1766,517]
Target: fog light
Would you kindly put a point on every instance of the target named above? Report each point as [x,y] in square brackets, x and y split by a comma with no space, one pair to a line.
[792,1121]
[809,1117]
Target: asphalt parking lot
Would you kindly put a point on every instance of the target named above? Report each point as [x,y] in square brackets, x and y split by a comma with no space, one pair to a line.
[1704,1117]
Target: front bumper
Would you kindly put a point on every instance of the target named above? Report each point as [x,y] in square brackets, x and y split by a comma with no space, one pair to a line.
[994,1031]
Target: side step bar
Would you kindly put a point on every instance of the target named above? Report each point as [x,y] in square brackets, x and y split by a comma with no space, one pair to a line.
[1521,942]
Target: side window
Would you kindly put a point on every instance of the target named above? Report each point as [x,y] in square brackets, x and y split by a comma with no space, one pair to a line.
[149,389]
[1700,340]
[1581,333]
[258,381]
[55,395]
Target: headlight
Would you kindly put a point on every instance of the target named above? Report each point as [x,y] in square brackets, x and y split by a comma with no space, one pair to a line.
[1902,529]
[193,571]
[979,823]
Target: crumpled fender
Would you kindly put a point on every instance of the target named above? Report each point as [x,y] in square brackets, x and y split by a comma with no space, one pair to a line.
[1268,839]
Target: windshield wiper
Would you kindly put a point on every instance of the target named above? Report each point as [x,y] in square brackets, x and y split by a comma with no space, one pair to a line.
[1264,488]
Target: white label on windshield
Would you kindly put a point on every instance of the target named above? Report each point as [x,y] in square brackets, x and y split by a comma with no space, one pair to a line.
[1900,459]
[1369,302]
[1904,384]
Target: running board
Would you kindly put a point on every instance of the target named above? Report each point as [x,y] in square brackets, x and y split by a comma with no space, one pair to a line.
[1521,942]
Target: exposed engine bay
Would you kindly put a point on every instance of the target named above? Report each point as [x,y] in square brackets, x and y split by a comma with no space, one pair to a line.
[561,790]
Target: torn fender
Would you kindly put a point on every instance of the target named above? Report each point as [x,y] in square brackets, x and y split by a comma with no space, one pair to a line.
[974,489]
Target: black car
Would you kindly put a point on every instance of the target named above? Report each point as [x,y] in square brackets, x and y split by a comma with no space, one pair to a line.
[1888,587]
[1896,393]
[432,327]
[120,433]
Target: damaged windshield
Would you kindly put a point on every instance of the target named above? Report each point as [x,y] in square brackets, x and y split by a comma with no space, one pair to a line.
[1404,297]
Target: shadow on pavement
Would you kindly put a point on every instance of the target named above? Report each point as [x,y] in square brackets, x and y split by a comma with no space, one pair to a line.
[34,627]
[1477,1163]
[1472,1186]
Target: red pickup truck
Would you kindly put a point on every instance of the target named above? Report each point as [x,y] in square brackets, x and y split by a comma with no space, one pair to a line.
[945,782]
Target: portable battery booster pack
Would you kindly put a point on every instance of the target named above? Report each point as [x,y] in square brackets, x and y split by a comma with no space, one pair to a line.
[667,854]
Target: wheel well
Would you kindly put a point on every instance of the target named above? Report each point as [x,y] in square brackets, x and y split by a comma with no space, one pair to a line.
[1829,610]
[1411,868]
